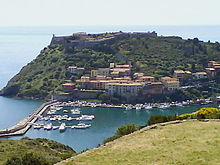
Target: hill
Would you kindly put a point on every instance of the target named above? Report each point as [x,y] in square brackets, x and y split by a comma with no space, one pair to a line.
[155,56]
[47,150]
[190,142]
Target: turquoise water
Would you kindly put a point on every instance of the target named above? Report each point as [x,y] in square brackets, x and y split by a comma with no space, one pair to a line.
[20,45]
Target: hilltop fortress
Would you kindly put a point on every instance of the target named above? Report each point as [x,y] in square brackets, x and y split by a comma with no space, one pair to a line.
[83,40]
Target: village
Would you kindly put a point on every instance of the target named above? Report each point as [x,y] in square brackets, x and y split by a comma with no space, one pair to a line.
[119,81]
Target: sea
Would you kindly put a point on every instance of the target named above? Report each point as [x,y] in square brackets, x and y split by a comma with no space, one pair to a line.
[20,45]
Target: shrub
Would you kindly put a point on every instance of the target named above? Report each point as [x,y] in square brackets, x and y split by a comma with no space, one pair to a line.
[121,131]
[185,116]
[160,119]
[126,129]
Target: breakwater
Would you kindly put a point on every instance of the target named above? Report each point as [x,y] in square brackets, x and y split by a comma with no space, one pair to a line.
[25,124]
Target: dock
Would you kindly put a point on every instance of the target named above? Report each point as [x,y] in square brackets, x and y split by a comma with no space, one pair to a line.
[25,124]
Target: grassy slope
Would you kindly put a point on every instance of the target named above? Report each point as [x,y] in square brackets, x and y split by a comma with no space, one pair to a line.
[51,150]
[191,142]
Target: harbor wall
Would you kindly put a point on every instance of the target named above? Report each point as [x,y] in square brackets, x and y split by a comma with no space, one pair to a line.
[23,126]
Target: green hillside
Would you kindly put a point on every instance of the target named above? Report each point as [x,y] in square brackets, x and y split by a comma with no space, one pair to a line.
[156,56]
[191,142]
[46,151]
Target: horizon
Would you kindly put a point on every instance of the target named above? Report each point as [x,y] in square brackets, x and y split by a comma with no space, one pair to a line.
[97,12]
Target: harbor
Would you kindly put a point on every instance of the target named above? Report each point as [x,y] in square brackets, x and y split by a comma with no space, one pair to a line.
[62,115]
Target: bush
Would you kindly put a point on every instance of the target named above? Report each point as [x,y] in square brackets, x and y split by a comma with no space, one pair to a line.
[160,119]
[126,129]
[121,131]
[27,159]
[185,116]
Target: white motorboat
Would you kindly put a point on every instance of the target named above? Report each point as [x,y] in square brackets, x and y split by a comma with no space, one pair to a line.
[55,127]
[48,126]
[62,127]
[86,117]
[81,125]
[75,111]
[37,126]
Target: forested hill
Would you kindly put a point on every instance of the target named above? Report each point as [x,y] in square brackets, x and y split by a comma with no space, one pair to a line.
[156,56]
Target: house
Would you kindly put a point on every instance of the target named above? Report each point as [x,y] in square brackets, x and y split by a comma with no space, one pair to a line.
[137,75]
[146,79]
[200,75]
[101,72]
[211,72]
[94,73]
[212,64]
[180,74]
[153,88]
[68,87]
[170,83]
[75,70]
[127,90]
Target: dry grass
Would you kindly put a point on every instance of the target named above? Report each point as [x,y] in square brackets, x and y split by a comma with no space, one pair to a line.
[191,142]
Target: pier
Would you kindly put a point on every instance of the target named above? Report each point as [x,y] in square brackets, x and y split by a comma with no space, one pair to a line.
[25,124]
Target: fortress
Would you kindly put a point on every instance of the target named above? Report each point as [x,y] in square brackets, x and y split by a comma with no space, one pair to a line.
[83,40]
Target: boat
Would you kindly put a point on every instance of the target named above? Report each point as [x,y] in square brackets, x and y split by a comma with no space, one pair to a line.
[65,111]
[147,107]
[37,126]
[128,108]
[75,111]
[62,127]
[58,108]
[48,126]
[86,117]
[81,126]
[55,127]
[138,108]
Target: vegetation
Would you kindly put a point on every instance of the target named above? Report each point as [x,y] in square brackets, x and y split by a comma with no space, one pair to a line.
[156,56]
[191,142]
[203,113]
[33,152]
[121,131]
[160,119]
[44,75]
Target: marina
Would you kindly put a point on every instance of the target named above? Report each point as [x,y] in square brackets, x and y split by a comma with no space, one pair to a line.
[70,112]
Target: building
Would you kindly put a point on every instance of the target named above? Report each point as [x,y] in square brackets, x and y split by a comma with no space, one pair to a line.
[101,72]
[138,74]
[94,73]
[154,88]
[75,70]
[104,71]
[211,72]
[200,75]
[68,87]
[146,79]
[180,74]
[127,90]
[170,83]
[212,64]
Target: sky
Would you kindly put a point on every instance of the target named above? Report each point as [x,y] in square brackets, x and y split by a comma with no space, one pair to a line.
[109,12]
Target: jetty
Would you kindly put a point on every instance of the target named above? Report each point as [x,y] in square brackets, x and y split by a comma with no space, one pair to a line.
[25,124]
